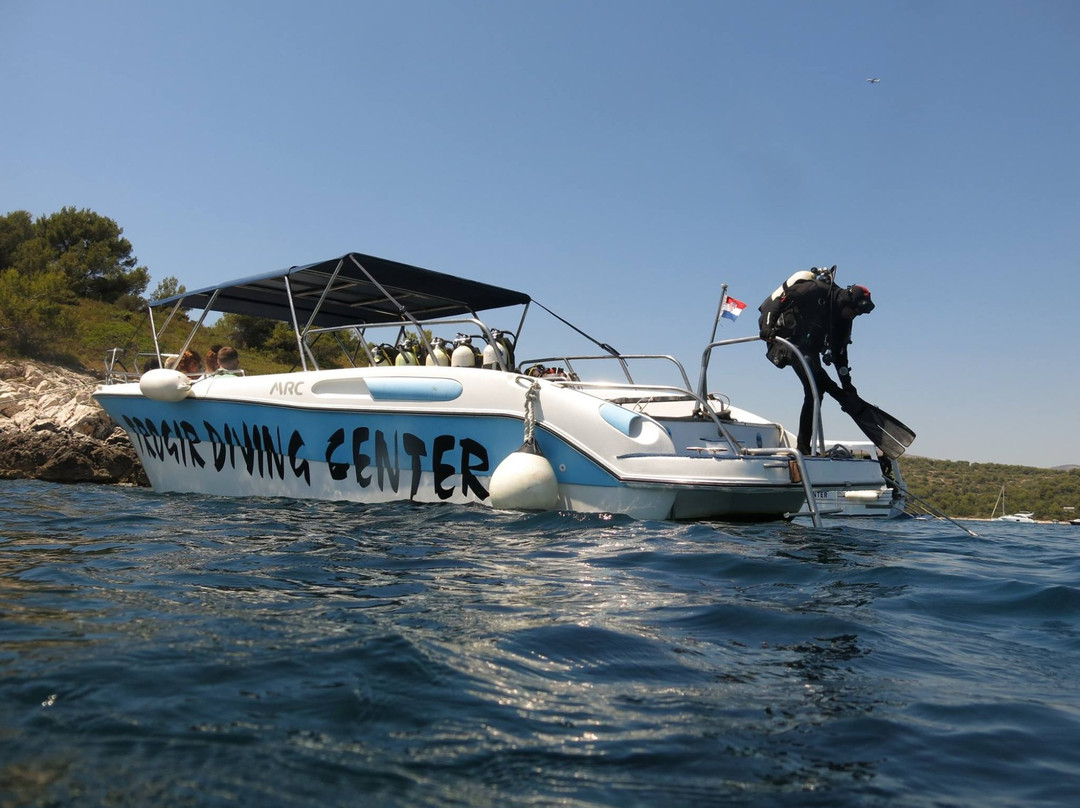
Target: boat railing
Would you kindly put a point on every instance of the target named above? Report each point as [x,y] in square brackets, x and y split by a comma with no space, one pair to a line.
[794,457]
[817,442]
[117,371]
[405,328]
[643,393]
[622,360]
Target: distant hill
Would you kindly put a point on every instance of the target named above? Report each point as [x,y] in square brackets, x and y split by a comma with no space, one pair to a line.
[969,490]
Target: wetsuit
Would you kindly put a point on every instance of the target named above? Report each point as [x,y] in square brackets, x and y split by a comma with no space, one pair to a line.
[820,326]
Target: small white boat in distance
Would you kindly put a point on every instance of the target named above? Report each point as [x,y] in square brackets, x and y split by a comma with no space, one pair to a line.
[1024,517]
[418,415]
[1019,516]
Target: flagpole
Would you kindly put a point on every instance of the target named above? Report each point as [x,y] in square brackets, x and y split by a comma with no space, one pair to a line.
[719,311]
[712,339]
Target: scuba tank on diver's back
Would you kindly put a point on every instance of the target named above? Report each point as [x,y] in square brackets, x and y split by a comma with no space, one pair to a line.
[780,310]
[771,322]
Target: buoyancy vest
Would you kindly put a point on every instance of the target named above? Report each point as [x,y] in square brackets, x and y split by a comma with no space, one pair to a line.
[801,310]
[798,310]
[775,305]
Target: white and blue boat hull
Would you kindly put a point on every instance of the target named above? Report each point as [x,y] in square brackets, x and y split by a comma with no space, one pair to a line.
[430,435]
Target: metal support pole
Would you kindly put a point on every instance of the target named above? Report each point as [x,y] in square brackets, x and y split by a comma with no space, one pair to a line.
[296,324]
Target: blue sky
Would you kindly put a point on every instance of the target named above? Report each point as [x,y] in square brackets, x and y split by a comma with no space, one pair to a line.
[618,160]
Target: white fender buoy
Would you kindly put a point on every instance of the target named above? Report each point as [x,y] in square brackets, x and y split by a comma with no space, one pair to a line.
[524,481]
[164,384]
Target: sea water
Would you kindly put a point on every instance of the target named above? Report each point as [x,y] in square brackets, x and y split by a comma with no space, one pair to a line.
[185,650]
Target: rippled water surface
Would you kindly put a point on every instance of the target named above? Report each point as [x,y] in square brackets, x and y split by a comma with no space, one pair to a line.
[179,650]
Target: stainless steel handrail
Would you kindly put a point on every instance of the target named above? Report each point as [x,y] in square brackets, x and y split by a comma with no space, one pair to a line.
[569,360]
[818,438]
[808,489]
[794,454]
[735,446]
[428,325]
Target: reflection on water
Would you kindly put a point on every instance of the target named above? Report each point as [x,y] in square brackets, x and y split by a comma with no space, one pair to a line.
[178,650]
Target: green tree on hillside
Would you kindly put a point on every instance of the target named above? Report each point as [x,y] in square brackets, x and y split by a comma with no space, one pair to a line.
[54,264]
[33,306]
[245,331]
[88,248]
[963,489]
[167,287]
[16,228]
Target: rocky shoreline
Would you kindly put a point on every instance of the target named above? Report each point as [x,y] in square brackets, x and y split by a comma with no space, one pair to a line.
[51,428]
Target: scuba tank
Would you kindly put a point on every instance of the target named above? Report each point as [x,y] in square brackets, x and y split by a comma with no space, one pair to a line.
[813,274]
[779,302]
[781,290]
[464,355]
[407,350]
[385,355]
[780,311]
[501,348]
[506,340]
[438,356]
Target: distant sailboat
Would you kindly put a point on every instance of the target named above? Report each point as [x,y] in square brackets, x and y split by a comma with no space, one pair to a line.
[1019,516]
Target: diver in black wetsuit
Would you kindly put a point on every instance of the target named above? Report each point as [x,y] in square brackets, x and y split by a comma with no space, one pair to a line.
[815,315]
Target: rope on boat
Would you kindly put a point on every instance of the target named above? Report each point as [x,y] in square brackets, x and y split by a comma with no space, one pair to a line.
[531,397]
[524,480]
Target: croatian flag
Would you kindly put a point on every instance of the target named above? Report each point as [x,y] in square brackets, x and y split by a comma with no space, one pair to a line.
[732,308]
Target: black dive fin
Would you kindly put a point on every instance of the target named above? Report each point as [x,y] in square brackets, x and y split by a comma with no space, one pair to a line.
[890,435]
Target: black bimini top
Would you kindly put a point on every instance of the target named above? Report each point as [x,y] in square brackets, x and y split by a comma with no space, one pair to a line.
[355,290]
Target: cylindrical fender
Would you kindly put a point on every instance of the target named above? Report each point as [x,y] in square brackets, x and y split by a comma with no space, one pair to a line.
[164,384]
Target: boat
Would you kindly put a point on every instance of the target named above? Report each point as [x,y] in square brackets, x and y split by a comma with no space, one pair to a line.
[1024,517]
[418,417]
[886,500]
[1020,516]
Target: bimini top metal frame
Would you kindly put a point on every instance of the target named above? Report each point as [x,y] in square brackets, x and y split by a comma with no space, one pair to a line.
[353,290]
